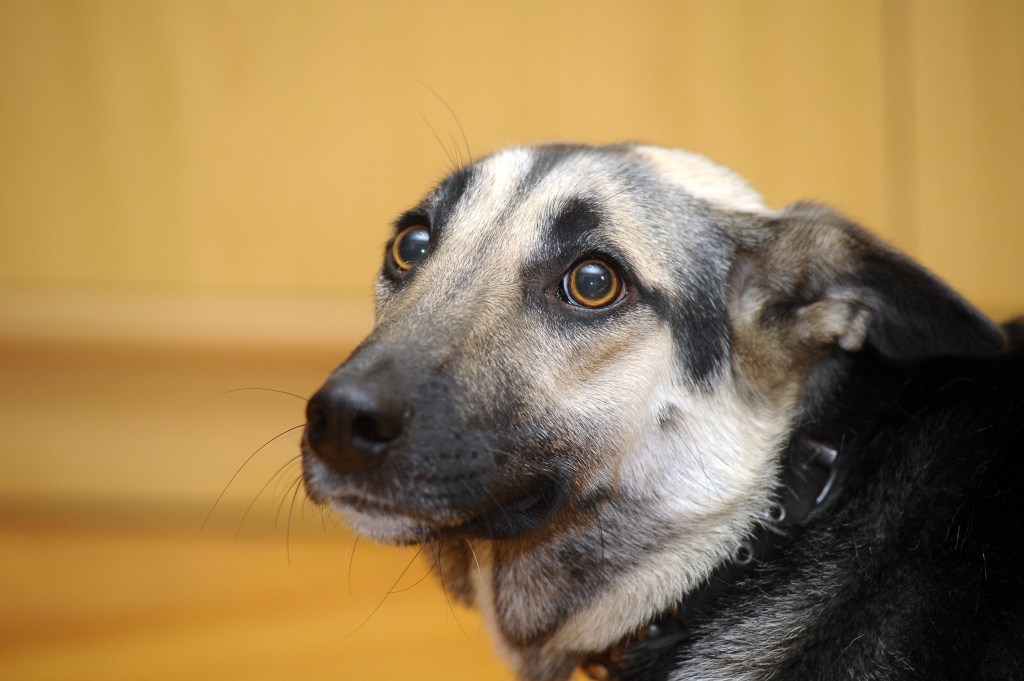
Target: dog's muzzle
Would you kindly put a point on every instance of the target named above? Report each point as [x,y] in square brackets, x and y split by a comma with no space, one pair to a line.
[388,445]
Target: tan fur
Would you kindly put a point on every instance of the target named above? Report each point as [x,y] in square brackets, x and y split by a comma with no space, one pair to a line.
[704,178]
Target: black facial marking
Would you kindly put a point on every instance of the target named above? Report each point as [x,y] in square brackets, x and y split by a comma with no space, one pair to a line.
[576,218]
[572,233]
[700,328]
[447,197]
[433,213]
[436,210]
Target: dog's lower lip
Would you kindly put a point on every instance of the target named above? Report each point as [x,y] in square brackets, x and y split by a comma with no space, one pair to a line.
[519,515]
[362,504]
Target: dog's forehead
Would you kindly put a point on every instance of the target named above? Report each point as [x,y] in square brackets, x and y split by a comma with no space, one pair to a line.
[521,187]
[651,205]
[552,171]
[520,190]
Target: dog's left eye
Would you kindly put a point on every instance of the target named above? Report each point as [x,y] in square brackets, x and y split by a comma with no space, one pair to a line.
[410,247]
[593,284]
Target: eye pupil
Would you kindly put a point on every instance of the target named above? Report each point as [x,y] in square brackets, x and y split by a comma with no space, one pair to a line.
[593,281]
[411,246]
[593,284]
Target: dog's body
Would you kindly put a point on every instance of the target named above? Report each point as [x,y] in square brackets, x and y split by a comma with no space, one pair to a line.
[647,425]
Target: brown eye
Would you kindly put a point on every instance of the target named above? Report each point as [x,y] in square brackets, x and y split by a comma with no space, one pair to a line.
[593,284]
[410,247]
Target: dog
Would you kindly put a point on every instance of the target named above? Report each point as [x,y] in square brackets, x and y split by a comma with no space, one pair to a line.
[653,429]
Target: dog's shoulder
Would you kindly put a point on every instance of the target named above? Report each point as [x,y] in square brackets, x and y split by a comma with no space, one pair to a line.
[921,562]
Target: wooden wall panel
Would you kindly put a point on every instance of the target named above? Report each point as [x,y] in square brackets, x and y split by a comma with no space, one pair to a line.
[261,146]
[156,153]
[968,143]
[264,146]
[213,182]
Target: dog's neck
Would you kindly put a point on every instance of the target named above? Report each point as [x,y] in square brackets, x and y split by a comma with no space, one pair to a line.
[813,473]
[809,474]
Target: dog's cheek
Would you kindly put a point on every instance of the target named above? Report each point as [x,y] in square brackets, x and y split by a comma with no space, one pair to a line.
[597,392]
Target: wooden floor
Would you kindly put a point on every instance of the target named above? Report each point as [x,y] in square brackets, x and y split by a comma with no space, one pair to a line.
[111,455]
[95,598]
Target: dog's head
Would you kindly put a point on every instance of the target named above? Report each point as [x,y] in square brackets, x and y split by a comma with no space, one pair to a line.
[587,359]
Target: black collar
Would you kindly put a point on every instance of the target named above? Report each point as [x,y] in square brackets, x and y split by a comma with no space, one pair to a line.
[811,477]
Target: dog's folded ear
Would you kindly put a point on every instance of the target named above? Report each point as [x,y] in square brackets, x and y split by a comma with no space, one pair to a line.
[811,279]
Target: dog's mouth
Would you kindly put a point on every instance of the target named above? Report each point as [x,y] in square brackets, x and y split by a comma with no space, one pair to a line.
[504,516]
[519,515]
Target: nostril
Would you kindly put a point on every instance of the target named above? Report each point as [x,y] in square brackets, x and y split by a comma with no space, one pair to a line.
[316,422]
[375,428]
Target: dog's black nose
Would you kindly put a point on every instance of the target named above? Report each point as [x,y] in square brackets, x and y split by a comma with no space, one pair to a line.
[352,426]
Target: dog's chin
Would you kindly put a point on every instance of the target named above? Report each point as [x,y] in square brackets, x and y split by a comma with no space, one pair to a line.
[385,527]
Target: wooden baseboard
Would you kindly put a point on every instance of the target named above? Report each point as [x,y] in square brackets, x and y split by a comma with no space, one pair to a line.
[110,398]
[192,320]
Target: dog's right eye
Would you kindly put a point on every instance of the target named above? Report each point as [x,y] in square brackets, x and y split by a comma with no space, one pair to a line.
[410,247]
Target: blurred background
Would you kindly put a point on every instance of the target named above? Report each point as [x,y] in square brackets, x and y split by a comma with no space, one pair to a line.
[193,202]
